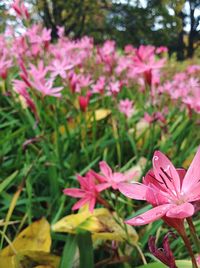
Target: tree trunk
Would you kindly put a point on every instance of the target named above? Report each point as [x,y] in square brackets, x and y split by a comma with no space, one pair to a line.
[181,45]
[190,49]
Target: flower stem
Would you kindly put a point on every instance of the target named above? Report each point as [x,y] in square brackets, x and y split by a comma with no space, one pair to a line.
[189,248]
[104,203]
[193,234]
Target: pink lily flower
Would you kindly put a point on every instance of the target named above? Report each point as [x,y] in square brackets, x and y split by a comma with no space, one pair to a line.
[20,87]
[126,107]
[165,254]
[161,49]
[108,178]
[5,64]
[46,88]
[38,72]
[20,9]
[88,192]
[114,88]
[84,102]
[59,67]
[99,86]
[172,192]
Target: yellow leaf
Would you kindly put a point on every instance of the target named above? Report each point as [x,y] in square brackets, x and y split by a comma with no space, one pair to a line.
[11,208]
[9,262]
[113,230]
[101,223]
[35,237]
[69,223]
[100,114]
[30,258]
[40,258]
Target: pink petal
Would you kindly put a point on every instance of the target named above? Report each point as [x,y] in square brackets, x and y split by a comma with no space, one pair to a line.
[133,190]
[99,177]
[149,216]
[90,180]
[74,192]
[193,174]
[92,204]
[130,175]
[181,173]
[80,203]
[194,194]
[181,211]
[165,172]
[82,182]
[103,186]
[118,177]
[155,196]
[150,179]
[105,169]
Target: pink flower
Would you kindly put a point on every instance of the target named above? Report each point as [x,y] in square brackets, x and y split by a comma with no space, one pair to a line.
[172,192]
[46,88]
[129,49]
[83,102]
[156,116]
[88,192]
[20,9]
[108,178]
[126,107]
[59,67]
[60,31]
[5,64]
[20,87]
[148,118]
[198,259]
[99,86]
[114,88]
[165,255]
[38,72]
[161,49]
[145,52]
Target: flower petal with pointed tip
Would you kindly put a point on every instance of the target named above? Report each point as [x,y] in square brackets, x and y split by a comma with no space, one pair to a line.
[150,216]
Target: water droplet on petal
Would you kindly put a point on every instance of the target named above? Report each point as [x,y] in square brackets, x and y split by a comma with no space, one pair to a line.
[139,220]
[159,213]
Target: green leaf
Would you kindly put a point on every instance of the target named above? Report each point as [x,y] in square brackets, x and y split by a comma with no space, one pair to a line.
[69,251]
[153,265]
[85,249]
[7,181]
[180,264]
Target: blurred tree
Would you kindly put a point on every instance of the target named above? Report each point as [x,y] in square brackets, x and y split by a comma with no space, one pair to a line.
[183,14]
[2,17]
[80,17]
[129,24]
[159,22]
[194,33]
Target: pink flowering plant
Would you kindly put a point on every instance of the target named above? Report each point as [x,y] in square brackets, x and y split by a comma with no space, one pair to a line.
[87,131]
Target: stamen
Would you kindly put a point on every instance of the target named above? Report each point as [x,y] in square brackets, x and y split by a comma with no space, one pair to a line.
[163,181]
[153,177]
[166,174]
